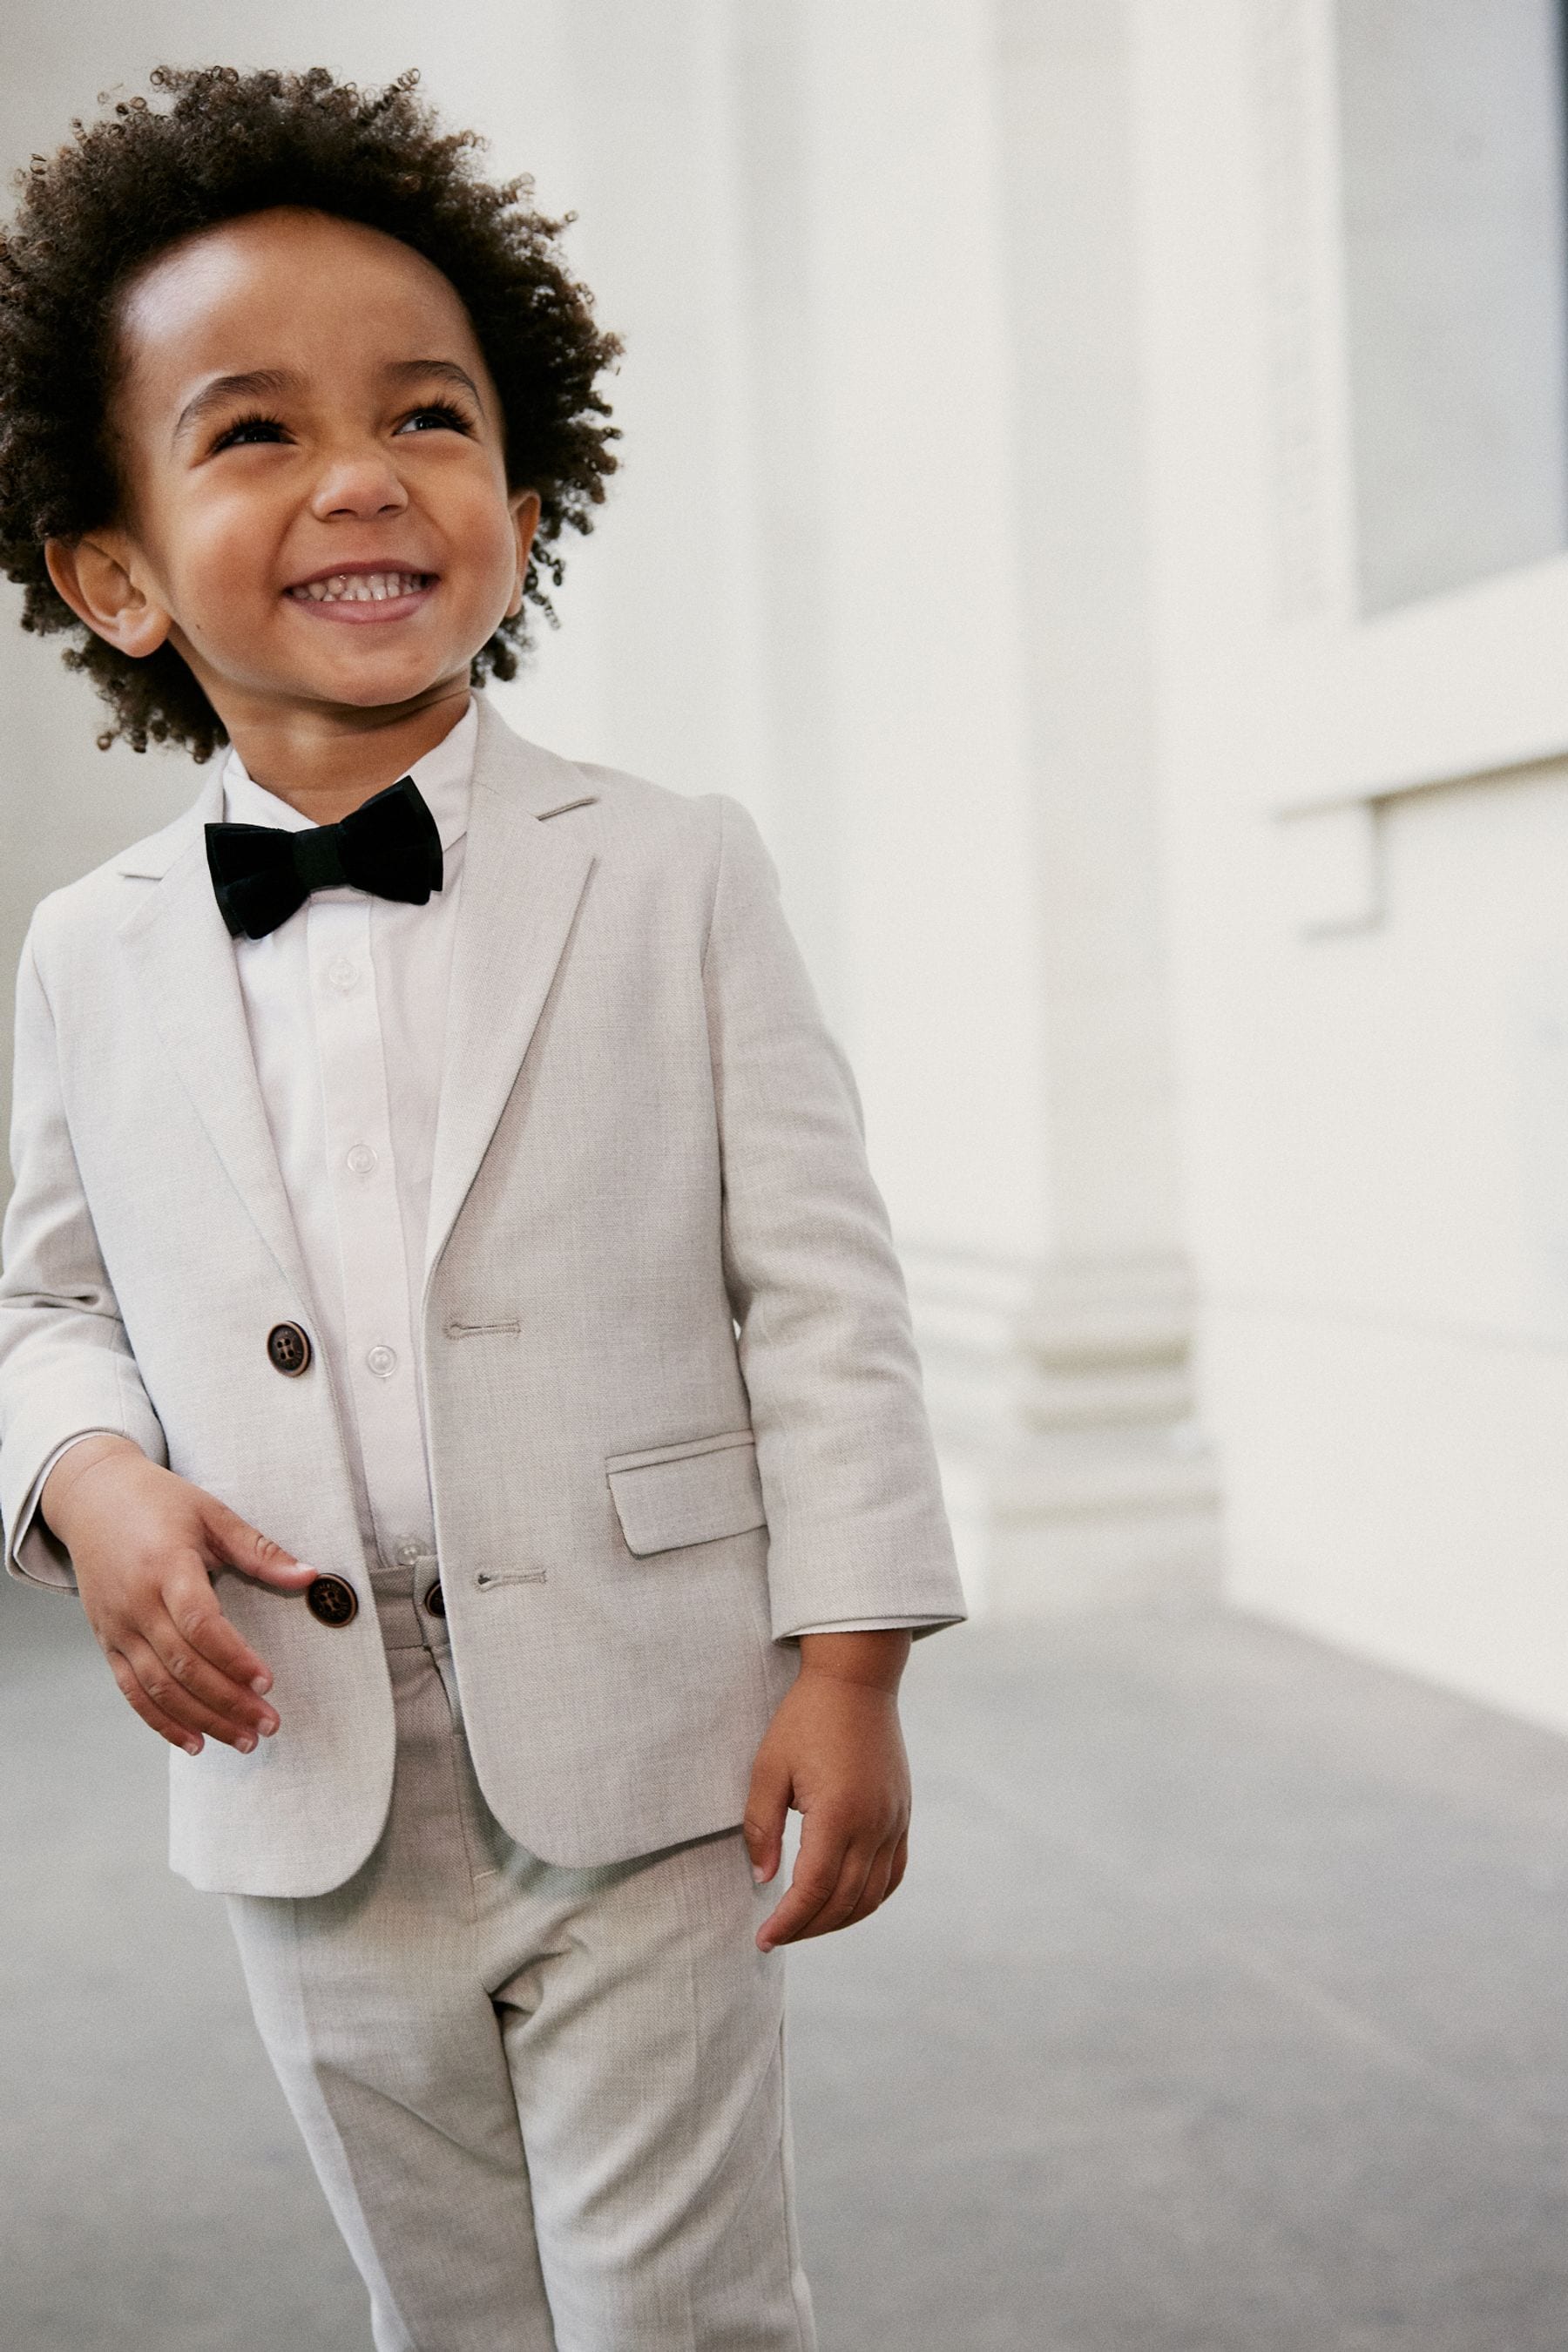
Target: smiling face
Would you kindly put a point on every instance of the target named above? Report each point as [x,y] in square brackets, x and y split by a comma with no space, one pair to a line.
[316,509]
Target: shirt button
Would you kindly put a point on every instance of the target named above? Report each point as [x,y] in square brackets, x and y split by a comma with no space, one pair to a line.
[383,1360]
[409,1553]
[344,974]
[362,1159]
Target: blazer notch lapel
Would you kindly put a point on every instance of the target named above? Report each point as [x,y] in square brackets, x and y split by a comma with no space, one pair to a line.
[522,883]
[183,961]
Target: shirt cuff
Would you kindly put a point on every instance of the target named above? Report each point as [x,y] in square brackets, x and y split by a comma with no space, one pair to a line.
[875,1625]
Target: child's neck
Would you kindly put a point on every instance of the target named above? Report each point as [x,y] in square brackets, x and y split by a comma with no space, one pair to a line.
[326,768]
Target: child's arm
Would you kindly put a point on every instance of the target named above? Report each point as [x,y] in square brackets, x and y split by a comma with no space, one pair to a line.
[858,1537]
[139,1539]
[65,1364]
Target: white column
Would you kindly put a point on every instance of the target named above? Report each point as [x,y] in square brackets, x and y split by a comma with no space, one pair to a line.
[913,513]
[943,332]
[1115,1494]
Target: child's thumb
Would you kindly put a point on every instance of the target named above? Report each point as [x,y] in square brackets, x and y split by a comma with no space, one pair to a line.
[239,1545]
[767,1806]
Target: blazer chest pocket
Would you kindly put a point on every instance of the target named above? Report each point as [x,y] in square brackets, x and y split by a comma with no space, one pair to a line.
[689,1493]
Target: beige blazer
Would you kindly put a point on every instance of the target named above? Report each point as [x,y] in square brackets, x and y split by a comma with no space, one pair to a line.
[674,1407]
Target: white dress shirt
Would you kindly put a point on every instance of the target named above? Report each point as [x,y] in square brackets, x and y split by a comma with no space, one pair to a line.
[346,1004]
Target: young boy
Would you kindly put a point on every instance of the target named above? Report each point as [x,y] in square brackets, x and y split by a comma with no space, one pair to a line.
[449,1336]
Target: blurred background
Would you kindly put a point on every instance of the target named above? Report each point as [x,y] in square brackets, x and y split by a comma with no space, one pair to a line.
[1095,484]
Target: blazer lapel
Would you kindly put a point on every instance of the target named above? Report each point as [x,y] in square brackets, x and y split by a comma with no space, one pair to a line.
[184,959]
[523,880]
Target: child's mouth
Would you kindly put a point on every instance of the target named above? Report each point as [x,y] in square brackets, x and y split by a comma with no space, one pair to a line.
[362,595]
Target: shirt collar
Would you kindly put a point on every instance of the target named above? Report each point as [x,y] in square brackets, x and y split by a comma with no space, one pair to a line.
[444,777]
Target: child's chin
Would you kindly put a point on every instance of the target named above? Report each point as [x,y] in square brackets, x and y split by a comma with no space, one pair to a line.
[371,686]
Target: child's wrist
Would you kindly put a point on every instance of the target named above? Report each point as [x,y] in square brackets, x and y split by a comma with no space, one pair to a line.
[873,1661]
[74,1466]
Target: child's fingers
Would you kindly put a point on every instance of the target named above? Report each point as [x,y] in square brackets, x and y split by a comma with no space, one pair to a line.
[878,1887]
[207,1683]
[173,1700]
[817,1869]
[152,1717]
[193,1606]
[900,1864]
[843,1904]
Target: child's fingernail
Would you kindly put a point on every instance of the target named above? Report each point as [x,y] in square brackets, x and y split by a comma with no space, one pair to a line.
[193,1747]
[245,1743]
[759,1875]
[259,1685]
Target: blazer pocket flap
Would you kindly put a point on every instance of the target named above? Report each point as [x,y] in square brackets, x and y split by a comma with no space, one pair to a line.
[687,1494]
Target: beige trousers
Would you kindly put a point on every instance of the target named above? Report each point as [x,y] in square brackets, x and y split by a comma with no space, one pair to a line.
[547,2105]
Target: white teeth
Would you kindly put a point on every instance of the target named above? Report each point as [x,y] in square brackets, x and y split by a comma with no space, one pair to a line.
[361,587]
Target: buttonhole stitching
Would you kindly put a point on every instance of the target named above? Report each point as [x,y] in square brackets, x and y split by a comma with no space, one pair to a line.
[456,1330]
[510,1576]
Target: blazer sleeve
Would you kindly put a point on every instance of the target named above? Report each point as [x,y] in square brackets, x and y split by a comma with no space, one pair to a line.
[66,1365]
[857,1532]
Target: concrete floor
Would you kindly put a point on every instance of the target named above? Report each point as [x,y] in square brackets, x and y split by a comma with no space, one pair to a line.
[1224,2010]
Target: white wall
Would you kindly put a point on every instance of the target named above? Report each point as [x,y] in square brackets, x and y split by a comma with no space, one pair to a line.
[1375,1099]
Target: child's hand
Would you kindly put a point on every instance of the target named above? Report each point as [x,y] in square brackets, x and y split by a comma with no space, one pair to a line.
[142,1543]
[835,1751]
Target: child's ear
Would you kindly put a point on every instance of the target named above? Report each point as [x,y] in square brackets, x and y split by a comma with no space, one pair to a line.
[92,576]
[525,522]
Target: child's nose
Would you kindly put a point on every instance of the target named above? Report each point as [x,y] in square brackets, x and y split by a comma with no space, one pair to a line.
[360,482]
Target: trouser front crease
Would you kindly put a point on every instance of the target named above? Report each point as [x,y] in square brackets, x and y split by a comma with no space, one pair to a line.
[547,2106]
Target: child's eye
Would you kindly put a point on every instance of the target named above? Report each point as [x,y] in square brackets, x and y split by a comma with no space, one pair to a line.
[440,412]
[248,429]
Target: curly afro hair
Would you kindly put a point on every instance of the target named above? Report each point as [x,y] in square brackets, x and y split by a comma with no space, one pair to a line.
[125,188]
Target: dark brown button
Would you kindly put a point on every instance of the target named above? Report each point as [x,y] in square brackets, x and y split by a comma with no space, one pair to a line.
[287,1349]
[332,1600]
[436,1600]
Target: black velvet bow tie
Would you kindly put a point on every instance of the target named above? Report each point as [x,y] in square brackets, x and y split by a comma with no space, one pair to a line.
[262,874]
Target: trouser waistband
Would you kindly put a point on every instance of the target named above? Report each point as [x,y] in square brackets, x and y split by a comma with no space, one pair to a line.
[407,1624]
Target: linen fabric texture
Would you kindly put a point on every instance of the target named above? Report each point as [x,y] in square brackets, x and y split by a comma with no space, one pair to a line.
[673,1403]
[547,2106]
[345,1008]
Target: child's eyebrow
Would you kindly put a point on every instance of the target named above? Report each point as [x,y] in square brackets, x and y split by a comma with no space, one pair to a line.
[253,384]
[447,369]
[256,383]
